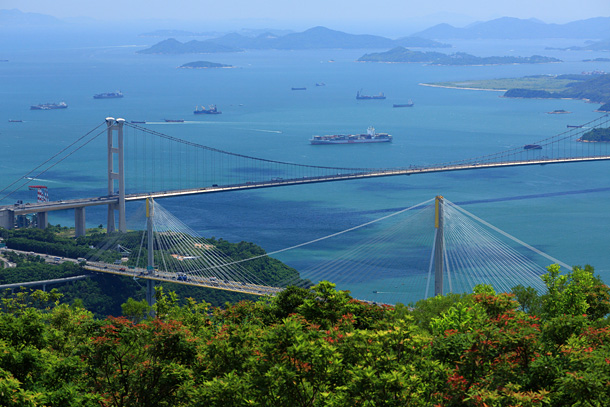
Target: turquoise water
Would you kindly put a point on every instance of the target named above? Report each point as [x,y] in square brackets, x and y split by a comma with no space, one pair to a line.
[552,208]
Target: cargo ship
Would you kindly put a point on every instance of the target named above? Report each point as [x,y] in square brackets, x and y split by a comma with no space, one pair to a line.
[532,147]
[367,97]
[211,110]
[174,120]
[408,104]
[299,88]
[109,95]
[370,137]
[49,106]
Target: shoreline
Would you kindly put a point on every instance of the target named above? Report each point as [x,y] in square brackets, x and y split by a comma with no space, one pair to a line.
[459,87]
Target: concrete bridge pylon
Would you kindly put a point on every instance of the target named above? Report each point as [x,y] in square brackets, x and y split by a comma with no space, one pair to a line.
[116,126]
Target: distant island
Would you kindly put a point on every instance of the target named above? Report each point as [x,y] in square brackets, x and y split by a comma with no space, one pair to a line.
[401,54]
[314,38]
[594,46]
[204,65]
[595,136]
[604,108]
[515,28]
[597,60]
[593,87]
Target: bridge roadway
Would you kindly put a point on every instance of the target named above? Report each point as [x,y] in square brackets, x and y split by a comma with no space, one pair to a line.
[36,207]
[172,277]
[158,275]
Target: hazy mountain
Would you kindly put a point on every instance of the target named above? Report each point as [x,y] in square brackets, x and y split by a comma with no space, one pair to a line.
[314,38]
[14,17]
[515,28]
[173,46]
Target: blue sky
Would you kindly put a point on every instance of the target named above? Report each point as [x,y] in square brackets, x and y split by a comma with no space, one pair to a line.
[288,13]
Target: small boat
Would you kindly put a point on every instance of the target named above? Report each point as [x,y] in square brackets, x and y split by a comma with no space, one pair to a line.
[532,147]
[174,120]
[299,88]
[211,110]
[15,121]
[408,104]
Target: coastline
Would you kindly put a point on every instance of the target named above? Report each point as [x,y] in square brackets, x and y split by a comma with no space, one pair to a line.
[459,87]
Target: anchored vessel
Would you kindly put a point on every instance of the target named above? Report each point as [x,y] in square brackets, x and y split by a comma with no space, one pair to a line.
[49,106]
[210,110]
[174,120]
[361,96]
[408,104]
[532,147]
[109,95]
[370,137]
[299,88]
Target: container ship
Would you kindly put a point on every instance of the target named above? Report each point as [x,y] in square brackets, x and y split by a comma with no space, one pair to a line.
[367,97]
[49,106]
[109,95]
[370,137]
[211,110]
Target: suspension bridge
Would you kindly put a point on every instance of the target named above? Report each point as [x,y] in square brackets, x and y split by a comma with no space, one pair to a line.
[146,163]
[178,167]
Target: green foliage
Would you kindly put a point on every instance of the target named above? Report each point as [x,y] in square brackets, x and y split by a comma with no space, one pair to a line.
[601,134]
[312,347]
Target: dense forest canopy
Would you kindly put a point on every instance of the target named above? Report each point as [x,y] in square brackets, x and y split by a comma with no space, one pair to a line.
[315,347]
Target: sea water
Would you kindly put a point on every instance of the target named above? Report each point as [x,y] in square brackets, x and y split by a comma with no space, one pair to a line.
[559,209]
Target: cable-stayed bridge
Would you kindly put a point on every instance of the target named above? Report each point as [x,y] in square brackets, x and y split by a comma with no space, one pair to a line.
[431,248]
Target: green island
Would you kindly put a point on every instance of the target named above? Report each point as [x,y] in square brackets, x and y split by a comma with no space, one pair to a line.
[596,135]
[401,54]
[204,65]
[594,88]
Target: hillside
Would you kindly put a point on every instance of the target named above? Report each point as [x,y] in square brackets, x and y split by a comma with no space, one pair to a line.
[596,89]
[401,54]
[103,294]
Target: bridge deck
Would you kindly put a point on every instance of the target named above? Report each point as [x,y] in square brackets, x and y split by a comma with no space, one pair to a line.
[24,209]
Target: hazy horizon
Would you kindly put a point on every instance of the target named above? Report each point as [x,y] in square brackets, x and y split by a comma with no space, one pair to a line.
[385,18]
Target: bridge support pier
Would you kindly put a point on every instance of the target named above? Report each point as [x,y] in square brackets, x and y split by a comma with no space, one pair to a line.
[7,219]
[150,284]
[79,222]
[119,175]
[439,248]
[42,219]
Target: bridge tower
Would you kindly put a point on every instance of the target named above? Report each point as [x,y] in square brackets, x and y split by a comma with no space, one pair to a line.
[118,175]
[439,246]
[150,284]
